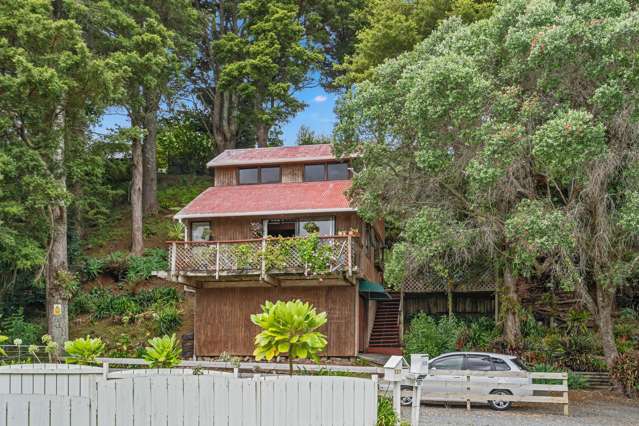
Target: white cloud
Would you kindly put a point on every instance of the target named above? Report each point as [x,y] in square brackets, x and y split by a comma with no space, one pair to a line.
[319,98]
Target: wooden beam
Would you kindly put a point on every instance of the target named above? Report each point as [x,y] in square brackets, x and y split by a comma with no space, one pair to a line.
[270,280]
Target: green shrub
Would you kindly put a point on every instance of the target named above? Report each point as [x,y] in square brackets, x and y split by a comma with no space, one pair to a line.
[625,371]
[93,267]
[116,264]
[16,327]
[141,267]
[289,328]
[386,415]
[157,295]
[163,352]
[81,303]
[168,319]
[429,336]
[480,335]
[84,351]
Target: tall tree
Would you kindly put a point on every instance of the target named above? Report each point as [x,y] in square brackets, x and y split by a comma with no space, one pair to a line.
[515,138]
[149,40]
[52,87]
[267,60]
[391,27]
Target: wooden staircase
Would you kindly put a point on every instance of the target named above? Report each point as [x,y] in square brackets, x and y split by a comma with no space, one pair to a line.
[596,380]
[385,337]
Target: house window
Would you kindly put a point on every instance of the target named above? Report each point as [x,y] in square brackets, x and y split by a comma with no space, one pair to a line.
[200,231]
[330,171]
[270,174]
[249,176]
[323,226]
[337,171]
[259,175]
[314,172]
[281,228]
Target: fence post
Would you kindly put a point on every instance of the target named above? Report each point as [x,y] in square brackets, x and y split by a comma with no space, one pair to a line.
[397,395]
[105,370]
[173,258]
[417,402]
[565,393]
[236,372]
[217,261]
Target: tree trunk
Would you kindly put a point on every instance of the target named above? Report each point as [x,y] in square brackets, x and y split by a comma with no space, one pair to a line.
[57,274]
[605,305]
[56,277]
[510,305]
[262,134]
[149,153]
[137,224]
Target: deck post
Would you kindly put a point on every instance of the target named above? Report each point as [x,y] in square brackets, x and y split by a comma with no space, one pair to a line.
[173,258]
[217,261]
[350,255]
[263,261]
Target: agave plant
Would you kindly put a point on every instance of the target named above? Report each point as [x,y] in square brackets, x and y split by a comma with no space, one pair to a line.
[163,352]
[84,351]
[289,328]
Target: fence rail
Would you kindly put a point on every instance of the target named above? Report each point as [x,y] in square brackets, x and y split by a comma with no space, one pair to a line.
[261,256]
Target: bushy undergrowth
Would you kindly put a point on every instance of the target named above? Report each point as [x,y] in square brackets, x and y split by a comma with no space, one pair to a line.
[15,326]
[122,266]
[102,303]
[575,381]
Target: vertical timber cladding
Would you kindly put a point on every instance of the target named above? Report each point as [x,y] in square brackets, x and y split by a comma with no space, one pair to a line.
[225,176]
[223,322]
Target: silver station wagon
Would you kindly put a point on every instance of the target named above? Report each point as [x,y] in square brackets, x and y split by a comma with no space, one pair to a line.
[486,384]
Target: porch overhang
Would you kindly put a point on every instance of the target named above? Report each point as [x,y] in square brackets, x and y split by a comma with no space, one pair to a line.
[372,290]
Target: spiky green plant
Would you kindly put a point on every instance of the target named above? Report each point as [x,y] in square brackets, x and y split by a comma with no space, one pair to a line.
[2,340]
[163,352]
[289,328]
[84,351]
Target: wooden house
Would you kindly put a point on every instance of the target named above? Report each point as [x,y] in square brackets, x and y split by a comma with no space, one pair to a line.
[242,247]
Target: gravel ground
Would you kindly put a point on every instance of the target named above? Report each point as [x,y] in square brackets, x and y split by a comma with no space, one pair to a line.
[587,408]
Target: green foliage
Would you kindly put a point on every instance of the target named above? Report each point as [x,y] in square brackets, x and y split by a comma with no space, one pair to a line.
[163,352]
[176,231]
[426,335]
[2,340]
[174,195]
[306,136]
[386,415]
[84,351]
[625,371]
[93,268]
[16,327]
[184,147]
[566,143]
[289,328]
[141,267]
[247,257]
[575,381]
[315,255]
[479,335]
[167,318]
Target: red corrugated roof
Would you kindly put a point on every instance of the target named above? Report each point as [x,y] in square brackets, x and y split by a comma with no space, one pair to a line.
[268,199]
[280,154]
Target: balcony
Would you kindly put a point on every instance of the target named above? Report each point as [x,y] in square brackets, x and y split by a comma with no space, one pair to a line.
[265,259]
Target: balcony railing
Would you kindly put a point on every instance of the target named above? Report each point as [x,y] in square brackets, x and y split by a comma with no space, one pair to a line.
[311,255]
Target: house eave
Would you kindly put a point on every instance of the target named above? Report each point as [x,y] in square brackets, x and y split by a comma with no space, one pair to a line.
[181,216]
[234,163]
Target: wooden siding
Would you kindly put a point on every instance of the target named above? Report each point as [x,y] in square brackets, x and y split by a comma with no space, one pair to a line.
[292,173]
[225,176]
[223,324]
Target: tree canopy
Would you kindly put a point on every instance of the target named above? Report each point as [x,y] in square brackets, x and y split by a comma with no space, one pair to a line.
[513,137]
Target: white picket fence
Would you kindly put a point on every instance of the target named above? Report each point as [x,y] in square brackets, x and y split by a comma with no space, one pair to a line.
[91,396]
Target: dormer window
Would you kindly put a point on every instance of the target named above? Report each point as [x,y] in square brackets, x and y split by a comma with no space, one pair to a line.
[253,175]
[326,171]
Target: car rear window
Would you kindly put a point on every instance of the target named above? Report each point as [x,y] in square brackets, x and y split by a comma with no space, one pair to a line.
[519,364]
[500,365]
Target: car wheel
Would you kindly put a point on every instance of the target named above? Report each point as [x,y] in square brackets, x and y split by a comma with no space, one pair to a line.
[500,405]
[406,400]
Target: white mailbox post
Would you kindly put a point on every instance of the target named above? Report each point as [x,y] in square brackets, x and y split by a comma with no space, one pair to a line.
[418,369]
[395,372]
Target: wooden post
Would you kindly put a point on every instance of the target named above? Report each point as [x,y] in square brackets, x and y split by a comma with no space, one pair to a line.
[450,298]
[565,393]
[401,315]
[173,258]
[417,402]
[397,395]
[496,305]
[105,370]
[217,261]
[263,262]
[350,255]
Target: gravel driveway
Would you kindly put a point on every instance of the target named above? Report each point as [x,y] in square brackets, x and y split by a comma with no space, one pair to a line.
[588,408]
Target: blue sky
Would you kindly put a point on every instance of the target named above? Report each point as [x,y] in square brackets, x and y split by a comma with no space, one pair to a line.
[318,115]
